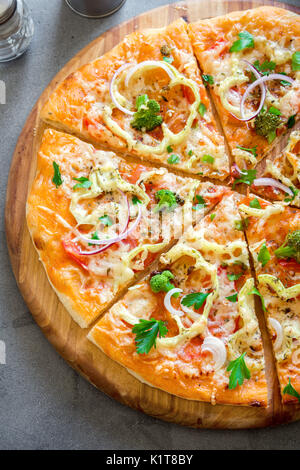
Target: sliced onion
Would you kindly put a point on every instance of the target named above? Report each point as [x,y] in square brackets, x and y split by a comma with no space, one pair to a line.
[274,183]
[167,302]
[217,348]
[279,333]
[110,241]
[150,64]
[111,90]
[296,357]
[193,315]
[260,81]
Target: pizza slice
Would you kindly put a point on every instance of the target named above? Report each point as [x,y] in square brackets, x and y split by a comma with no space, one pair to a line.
[281,178]
[251,61]
[190,328]
[98,221]
[144,97]
[273,232]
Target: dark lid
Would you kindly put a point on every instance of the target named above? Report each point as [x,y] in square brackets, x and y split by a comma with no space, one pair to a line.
[7,9]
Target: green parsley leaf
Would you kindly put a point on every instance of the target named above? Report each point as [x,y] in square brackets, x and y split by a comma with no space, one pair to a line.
[208,159]
[196,298]
[173,159]
[168,59]
[202,109]
[254,291]
[239,372]
[289,390]
[135,200]
[241,224]
[84,183]
[291,121]
[212,216]
[252,150]
[232,298]
[246,41]
[57,176]
[94,237]
[169,149]
[284,82]
[200,203]
[106,220]
[295,192]
[296,61]
[264,255]
[190,153]
[275,111]
[146,333]
[234,277]
[255,204]
[247,177]
[208,79]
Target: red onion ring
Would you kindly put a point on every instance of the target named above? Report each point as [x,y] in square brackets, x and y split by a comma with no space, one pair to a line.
[274,183]
[111,91]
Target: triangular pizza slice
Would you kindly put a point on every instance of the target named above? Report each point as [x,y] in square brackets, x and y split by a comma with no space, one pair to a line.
[144,97]
[273,233]
[251,62]
[190,327]
[98,221]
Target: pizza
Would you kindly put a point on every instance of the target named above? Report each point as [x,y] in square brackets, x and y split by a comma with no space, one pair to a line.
[273,233]
[97,221]
[281,178]
[251,62]
[201,301]
[170,269]
[144,97]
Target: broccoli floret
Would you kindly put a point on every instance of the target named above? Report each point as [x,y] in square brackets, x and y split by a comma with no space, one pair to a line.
[166,200]
[147,116]
[291,247]
[161,282]
[266,124]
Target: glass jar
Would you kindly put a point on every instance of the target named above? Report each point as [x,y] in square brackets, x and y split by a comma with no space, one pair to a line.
[95,8]
[16,29]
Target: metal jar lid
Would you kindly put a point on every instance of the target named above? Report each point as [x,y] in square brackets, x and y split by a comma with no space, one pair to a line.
[7,9]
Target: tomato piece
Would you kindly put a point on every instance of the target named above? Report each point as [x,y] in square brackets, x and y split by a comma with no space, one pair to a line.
[289,264]
[188,94]
[73,252]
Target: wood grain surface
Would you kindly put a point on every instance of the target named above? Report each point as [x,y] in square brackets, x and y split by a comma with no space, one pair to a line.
[65,335]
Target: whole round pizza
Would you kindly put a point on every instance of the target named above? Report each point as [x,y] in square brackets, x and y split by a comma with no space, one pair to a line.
[165,224]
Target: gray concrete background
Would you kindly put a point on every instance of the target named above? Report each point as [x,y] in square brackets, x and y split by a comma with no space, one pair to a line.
[44,404]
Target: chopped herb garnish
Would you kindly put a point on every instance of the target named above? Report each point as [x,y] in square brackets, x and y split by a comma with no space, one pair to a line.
[232,298]
[168,59]
[173,159]
[135,200]
[208,159]
[291,121]
[83,183]
[146,333]
[247,177]
[254,291]
[296,61]
[106,220]
[239,372]
[94,237]
[245,41]
[254,204]
[252,150]
[208,79]
[147,116]
[57,180]
[241,224]
[199,203]
[202,109]
[169,149]
[233,276]
[190,153]
[289,390]
[212,216]
[264,255]
[275,111]
[195,299]
[295,192]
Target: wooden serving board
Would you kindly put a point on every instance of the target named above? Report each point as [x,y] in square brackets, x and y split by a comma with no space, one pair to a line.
[65,335]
